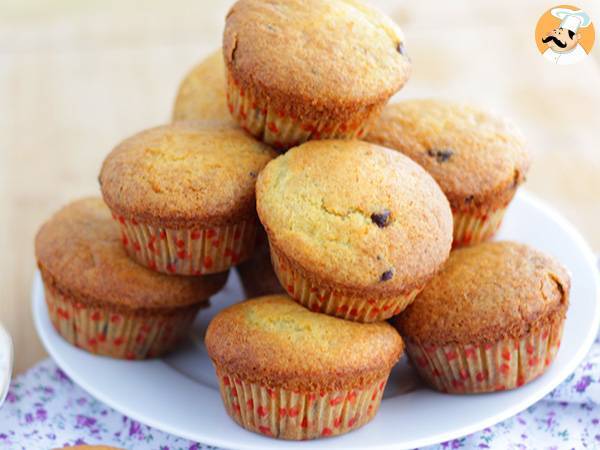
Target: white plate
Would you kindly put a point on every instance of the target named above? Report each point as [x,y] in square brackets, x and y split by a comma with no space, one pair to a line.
[179,394]
[6,362]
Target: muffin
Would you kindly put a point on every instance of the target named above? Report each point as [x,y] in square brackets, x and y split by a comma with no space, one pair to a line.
[201,94]
[310,69]
[479,160]
[289,373]
[256,273]
[103,302]
[355,230]
[183,195]
[491,320]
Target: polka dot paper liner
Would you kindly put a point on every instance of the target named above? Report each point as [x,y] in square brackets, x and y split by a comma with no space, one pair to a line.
[470,369]
[117,334]
[323,299]
[293,415]
[278,128]
[188,252]
[474,228]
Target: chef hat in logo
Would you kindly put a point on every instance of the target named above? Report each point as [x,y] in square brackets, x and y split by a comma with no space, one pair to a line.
[571,20]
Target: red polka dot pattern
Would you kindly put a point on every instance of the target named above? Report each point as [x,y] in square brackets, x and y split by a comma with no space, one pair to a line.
[188,252]
[471,229]
[333,302]
[280,129]
[506,364]
[294,415]
[119,335]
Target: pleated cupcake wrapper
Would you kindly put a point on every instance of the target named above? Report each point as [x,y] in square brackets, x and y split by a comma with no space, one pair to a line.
[329,301]
[279,129]
[114,333]
[506,364]
[286,414]
[473,228]
[188,252]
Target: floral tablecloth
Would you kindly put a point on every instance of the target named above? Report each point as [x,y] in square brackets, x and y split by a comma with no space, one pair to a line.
[45,409]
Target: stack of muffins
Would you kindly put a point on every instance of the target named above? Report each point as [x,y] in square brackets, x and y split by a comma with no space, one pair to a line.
[339,211]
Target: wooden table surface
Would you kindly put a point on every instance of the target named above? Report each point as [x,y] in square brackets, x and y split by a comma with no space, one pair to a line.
[77,77]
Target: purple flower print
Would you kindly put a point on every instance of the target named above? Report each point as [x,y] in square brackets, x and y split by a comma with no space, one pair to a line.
[61,376]
[46,410]
[41,414]
[135,429]
[583,383]
[11,397]
[85,421]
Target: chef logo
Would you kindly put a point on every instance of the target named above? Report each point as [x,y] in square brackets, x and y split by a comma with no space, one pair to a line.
[565,35]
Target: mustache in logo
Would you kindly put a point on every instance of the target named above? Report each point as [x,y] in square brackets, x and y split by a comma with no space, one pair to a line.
[556,41]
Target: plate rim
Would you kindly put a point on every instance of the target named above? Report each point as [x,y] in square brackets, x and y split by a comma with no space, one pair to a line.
[508,412]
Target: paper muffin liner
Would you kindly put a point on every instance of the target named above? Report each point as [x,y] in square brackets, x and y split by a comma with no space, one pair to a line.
[472,228]
[278,128]
[323,299]
[470,369]
[286,414]
[188,252]
[115,333]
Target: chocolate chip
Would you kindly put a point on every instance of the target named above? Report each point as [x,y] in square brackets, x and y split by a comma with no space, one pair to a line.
[253,174]
[401,49]
[440,155]
[387,275]
[381,218]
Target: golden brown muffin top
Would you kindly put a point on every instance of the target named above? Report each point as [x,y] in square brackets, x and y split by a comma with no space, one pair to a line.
[361,216]
[201,94]
[80,250]
[276,342]
[477,158]
[335,54]
[184,174]
[485,293]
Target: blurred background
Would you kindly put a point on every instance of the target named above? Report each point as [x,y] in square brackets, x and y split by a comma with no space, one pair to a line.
[76,77]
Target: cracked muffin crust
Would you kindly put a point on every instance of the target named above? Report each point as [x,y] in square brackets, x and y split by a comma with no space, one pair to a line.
[498,305]
[201,94]
[353,227]
[478,159]
[288,372]
[184,195]
[97,295]
[300,70]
